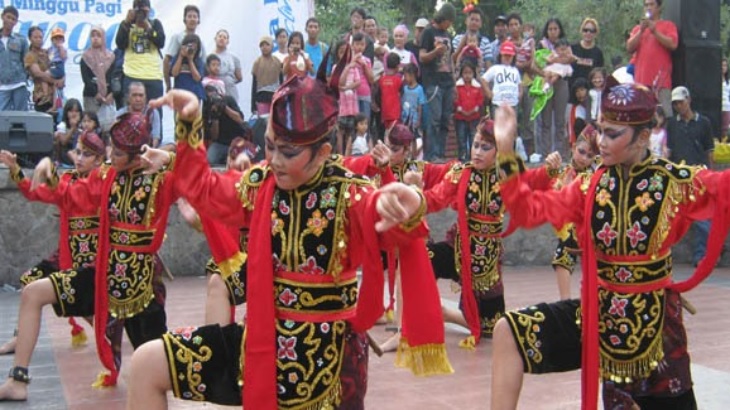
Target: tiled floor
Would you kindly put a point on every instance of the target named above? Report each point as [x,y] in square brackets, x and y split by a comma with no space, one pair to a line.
[388,387]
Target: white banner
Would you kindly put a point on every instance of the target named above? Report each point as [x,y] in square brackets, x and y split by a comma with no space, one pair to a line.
[245,20]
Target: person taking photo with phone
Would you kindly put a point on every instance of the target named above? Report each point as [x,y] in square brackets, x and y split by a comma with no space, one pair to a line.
[652,41]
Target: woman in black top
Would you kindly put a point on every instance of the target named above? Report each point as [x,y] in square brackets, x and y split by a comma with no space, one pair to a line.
[588,55]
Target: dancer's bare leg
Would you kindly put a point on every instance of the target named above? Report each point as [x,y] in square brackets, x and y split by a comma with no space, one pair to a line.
[32,299]
[149,379]
[9,346]
[563,277]
[507,368]
[391,344]
[217,304]
[454,316]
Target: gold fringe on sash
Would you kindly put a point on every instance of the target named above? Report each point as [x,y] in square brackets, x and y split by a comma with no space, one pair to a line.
[232,264]
[329,401]
[424,360]
[129,308]
[636,369]
[469,343]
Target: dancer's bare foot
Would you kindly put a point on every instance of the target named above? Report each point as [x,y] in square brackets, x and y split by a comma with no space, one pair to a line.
[13,390]
[391,345]
[9,346]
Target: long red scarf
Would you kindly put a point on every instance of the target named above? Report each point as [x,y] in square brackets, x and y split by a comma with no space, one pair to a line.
[469,303]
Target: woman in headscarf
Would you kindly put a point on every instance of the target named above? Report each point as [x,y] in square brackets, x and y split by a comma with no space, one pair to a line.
[96,71]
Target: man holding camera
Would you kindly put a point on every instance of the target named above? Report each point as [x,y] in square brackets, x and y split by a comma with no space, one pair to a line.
[653,41]
[142,39]
[223,122]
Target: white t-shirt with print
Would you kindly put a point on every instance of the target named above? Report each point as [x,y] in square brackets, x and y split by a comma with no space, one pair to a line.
[505,82]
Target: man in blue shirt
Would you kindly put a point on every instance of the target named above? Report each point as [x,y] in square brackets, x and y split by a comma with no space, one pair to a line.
[13,48]
[315,48]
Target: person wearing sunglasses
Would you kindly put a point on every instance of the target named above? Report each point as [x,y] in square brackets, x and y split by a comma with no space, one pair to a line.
[588,55]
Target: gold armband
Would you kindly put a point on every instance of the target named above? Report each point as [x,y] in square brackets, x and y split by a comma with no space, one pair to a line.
[53,180]
[509,164]
[191,133]
[553,172]
[417,217]
[16,174]
[171,164]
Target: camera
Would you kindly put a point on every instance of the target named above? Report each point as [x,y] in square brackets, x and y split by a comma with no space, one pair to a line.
[445,42]
[214,106]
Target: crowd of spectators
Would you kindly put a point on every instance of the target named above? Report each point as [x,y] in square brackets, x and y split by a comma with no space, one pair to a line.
[445,82]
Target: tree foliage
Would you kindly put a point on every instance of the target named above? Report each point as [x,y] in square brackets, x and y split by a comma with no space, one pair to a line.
[334,15]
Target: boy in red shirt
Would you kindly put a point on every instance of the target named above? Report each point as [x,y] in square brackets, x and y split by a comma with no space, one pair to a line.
[467,108]
[390,90]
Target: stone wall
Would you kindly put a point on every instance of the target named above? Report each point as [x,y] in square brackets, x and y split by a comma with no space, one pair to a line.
[29,232]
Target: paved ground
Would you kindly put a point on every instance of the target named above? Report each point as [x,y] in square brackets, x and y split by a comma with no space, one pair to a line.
[62,375]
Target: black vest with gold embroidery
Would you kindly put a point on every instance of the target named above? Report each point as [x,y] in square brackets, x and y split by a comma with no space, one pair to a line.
[314,292]
[631,217]
[485,213]
[130,273]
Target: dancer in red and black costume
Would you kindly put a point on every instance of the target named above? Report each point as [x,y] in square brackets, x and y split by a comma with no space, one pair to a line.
[627,327]
[78,230]
[312,224]
[125,287]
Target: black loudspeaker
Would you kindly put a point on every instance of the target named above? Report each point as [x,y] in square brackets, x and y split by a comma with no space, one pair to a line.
[26,132]
[697,62]
[695,19]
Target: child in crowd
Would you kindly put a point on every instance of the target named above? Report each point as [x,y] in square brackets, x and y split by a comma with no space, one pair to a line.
[577,111]
[57,55]
[383,37]
[658,138]
[555,71]
[470,52]
[596,78]
[502,83]
[266,73]
[350,80]
[212,74]
[90,123]
[364,66]
[297,62]
[467,108]
[360,143]
[390,85]
[413,99]
[282,39]
[67,133]
[400,37]
[187,67]
[528,31]
[376,126]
